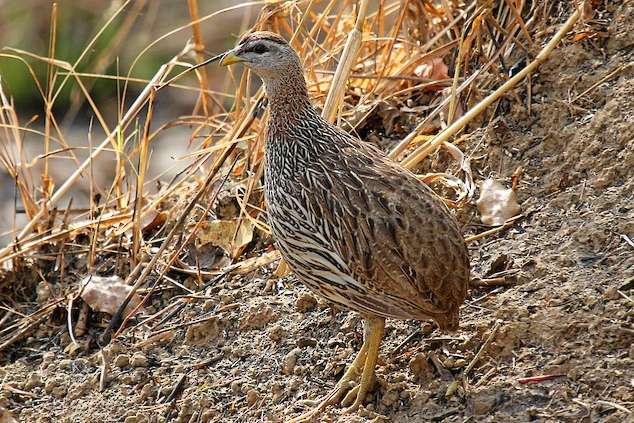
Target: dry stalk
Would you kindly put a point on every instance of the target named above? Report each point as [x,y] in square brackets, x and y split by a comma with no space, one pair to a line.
[412,160]
[125,121]
[348,57]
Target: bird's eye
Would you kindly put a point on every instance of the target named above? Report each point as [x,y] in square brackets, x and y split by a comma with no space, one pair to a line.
[260,48]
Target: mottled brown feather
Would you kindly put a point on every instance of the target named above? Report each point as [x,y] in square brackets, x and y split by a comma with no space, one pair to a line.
[353,225]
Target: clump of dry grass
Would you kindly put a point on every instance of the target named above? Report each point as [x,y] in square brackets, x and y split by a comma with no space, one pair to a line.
[439,61]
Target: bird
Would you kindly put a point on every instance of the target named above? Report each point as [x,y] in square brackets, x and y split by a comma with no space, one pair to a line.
[354,226]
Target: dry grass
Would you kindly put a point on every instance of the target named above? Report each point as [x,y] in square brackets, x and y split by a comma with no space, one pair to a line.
[387,55]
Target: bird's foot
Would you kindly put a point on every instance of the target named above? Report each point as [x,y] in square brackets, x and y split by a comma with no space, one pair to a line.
[362,370]
[346,385]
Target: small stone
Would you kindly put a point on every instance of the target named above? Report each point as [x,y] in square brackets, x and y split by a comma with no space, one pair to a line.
[350,323]
[252,397]
[612,294]
[139,360]
[235,387]
[65,364]
[34,381]
[209,305]
[257,317]
[48,357]
[277,392]
[460,363]
[420,367]
[389,398]
[277,333]
[306,342]
[306,302]
[147,392]
[483,402]
[290,361]
[59,392]
[50,385]
[427,328]
[121,361]
[65,340]
[43,291]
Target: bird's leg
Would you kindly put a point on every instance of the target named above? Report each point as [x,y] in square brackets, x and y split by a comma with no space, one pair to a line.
[374,330]
[363,365]
[342,386]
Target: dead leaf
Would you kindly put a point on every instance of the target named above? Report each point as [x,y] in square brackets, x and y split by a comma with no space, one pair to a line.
[106,293]
[497,204]
[434,69]
[152,221]
[230,235]
[282,269]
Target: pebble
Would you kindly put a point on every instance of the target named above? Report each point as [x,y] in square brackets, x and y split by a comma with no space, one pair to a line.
[306,302]
[427,328]
[59,392]
[483,402]
[34,381]
[306,342]
[139,360]
[65,364]
[290,361]
[147,392]
[48,357]
[258,317]
[235,386]
[50,385]
[121,361]
[277,333]
[252,397]
[277,392]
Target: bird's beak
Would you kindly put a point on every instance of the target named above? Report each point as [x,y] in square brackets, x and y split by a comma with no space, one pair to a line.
[230,58]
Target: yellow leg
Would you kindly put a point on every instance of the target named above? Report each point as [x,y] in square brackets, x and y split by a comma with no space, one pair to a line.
[374,334]
[362,365]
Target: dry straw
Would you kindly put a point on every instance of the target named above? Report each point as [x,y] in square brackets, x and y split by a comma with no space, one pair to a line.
[367,66]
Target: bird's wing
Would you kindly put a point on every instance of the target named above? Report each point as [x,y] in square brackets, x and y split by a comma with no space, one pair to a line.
[395,234]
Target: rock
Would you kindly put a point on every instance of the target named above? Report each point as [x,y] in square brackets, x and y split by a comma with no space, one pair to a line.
[147,392]
[43,292]
[482,402]
[252,397]
[139,360]
[306,342]
[350,323]
[34,381]
[257,317]
[236,386]
[121,361]
[306,302]
[65,364]
[277,333]
[420,367]
[427,328]
[203,332]
[59,392]
[50,385]
[277,392]
[290,361]
[390,397]
[48,357]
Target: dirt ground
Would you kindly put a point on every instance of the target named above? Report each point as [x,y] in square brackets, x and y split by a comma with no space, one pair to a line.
[265,344]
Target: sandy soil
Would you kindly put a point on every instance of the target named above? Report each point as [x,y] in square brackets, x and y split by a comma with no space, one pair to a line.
[265,344]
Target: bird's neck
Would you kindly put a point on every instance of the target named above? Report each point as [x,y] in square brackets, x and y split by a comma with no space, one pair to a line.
[288,99]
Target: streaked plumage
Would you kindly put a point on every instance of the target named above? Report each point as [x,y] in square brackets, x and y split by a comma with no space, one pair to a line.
[354,226]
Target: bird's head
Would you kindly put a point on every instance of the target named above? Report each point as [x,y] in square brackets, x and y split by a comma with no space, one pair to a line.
[265,53]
